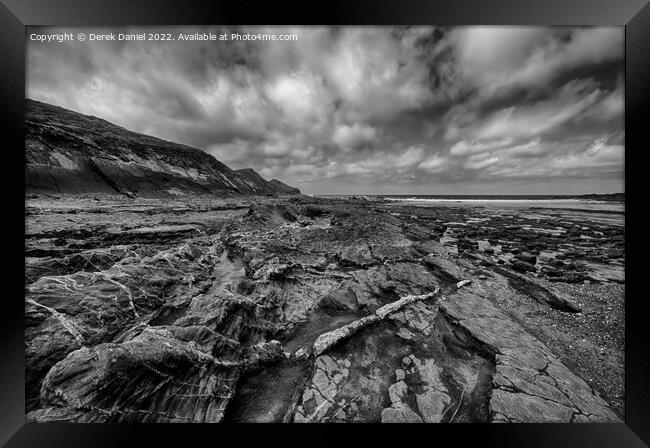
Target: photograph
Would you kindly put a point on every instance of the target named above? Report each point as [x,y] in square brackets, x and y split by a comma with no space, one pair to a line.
[325,224]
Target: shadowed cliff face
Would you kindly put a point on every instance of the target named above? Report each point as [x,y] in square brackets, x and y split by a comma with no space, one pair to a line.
[68,152]
[283,188]
[310,310]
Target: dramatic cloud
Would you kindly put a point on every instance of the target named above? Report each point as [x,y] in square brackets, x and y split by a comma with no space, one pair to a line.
[354,136]
[365,109]
[499,57]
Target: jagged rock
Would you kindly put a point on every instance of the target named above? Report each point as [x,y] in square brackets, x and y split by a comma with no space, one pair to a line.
[318,399]
[444,268]
[521,266]
[414,318]
[369,286]
[433,397]
[271,214]
[397,392]
[264,352]
[313,211]
[400,414]
[552,272]
[526,257]
[531,288]
[343,299]
[89,261]
[614,253]
[261,279]
[120,382]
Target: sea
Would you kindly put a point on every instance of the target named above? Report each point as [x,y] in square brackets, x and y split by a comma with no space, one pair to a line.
[603,203]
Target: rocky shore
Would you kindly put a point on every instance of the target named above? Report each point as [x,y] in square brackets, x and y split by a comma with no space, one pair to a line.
[302,309]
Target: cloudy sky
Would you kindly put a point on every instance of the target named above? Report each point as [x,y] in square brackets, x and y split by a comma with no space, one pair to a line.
[424,110]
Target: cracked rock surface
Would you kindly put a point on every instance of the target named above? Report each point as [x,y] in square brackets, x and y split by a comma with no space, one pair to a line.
[305,309]
[530,384]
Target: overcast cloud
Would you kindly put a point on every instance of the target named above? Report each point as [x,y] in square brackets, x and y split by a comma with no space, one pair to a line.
[465,110]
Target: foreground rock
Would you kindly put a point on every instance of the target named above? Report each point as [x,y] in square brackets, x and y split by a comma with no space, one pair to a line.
[153,377]
[311,310]
[530,383]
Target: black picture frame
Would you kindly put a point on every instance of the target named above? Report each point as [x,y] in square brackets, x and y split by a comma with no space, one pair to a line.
[634,15]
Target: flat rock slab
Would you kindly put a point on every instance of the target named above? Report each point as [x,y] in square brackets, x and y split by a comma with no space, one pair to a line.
[531,384]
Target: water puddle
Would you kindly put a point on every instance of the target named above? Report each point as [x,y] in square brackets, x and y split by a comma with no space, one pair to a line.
[227,273]
[268,395]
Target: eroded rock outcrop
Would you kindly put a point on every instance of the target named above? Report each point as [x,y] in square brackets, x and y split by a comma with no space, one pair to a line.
[66,312]
[297,310]
[152,377]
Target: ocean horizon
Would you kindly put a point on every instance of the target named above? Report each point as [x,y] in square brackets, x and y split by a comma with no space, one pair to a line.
[610,203]
[592,196]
